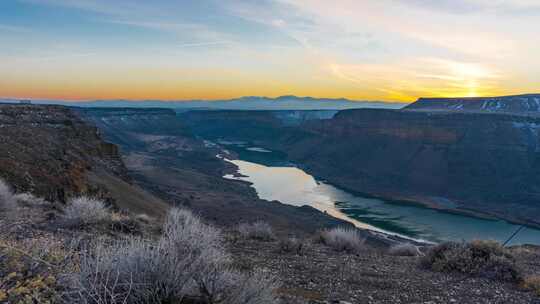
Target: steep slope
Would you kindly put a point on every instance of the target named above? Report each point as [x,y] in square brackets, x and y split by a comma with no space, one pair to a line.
[162,155]
[50,152]
[520,104]
[468,162]
[483,163]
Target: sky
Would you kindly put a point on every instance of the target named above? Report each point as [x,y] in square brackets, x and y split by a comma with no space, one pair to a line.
[387,50]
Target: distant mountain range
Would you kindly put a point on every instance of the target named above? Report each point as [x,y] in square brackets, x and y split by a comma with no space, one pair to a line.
[243,103]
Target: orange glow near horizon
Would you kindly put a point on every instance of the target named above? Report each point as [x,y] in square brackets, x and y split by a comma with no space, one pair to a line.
[394,51]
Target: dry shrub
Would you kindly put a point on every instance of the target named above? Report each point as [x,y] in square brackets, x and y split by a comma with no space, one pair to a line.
[405,249]
[188,261]
[83,211]
[144,218]
[7,199]
[342,239]
[258,230]
[291,245]
[532,283]
[477,258]
[125,224]
[29,199]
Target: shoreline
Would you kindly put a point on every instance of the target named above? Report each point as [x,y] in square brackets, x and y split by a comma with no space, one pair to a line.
[372,230]
[430,204]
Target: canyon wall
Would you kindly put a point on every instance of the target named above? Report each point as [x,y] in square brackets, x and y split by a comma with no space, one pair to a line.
[472,162]
[48,150]
[528,104]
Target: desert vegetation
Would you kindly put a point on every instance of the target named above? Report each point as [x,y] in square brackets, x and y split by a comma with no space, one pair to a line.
[478,258]
[342,239]
[7,198]
[258,230]
[187,263]
[404,249]
[532,283]
[84,210]
[291,245]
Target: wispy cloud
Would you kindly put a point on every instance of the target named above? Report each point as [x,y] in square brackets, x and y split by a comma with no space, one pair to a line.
[12,28]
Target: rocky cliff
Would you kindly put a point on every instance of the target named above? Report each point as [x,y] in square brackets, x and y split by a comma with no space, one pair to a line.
[48,150]
[51,152]
[163,156]
[485,163]
[520,104]
[470,162]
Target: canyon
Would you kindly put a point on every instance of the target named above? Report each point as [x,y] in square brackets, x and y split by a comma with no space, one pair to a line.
[477,163]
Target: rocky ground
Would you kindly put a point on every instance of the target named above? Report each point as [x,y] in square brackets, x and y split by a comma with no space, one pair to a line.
[36,251]
[321,275]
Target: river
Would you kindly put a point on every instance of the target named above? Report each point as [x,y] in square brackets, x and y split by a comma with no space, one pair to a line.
[281,181]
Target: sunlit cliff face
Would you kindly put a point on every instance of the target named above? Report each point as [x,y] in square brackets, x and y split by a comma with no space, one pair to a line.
[394,50]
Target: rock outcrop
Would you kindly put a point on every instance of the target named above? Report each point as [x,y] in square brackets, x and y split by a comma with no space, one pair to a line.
[51,152]
[477,163]
[48,150]
[528,104]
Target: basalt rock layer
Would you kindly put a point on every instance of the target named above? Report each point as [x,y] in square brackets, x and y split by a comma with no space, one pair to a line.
[52,153]
[478,163]
[48,150]
[528,104]
[485,163]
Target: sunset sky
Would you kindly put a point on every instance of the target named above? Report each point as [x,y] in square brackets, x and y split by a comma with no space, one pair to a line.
[393,50]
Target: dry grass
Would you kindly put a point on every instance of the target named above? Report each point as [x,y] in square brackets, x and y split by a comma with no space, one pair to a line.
[84,211]
[478,258]
[291,245]
[532,283]
[7,199]
[405,249]
[188,261]
[342,239]
[258,230]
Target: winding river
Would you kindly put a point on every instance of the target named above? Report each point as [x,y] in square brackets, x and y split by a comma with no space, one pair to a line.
[290,185]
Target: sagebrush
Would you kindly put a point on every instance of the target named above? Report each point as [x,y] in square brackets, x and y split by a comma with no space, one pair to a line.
[342,239]
[405,249]
[7,199]
[259,230]
[291,245]
[478,258]
[85,210]
[188,261]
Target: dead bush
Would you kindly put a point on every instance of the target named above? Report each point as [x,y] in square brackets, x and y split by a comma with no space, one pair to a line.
[82,211]
[7,199]
[477,258]
[188,261]
[291,245]
[405,249]
[258,230]
[342,239]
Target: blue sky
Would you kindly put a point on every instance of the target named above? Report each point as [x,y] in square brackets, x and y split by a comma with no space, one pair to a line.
[393,50]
